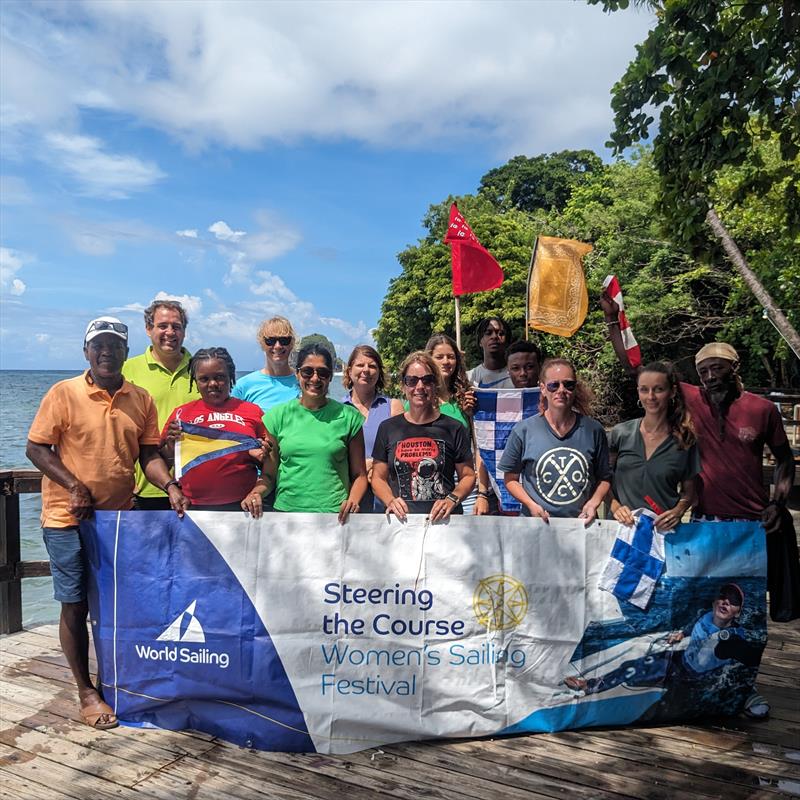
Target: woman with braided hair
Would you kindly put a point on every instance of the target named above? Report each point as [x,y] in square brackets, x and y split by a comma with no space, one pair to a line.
[229,482]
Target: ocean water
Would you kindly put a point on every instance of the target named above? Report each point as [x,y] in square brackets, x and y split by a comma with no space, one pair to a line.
[20,394]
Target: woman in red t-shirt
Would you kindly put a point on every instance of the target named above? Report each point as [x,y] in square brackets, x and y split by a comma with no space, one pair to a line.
[227,482]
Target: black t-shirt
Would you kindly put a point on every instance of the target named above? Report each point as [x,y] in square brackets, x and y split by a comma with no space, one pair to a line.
[422,458]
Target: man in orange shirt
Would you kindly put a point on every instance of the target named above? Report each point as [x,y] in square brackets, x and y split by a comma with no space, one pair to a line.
[86,437]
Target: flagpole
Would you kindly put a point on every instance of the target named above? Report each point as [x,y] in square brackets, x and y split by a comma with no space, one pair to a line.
[458,321]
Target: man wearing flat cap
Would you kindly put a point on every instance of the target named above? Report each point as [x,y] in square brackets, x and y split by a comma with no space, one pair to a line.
[86,437]
[732,427]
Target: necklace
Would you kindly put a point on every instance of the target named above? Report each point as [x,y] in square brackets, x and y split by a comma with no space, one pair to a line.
[660,428]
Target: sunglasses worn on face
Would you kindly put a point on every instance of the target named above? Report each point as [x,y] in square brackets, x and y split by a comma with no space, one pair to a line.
[552,386]
[323,373]
[104,325]
[411,380]
[270,341]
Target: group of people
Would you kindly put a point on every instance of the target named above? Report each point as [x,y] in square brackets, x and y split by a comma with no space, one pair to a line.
[106,439]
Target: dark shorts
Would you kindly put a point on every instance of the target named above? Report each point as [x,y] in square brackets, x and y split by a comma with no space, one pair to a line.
[151,503]
[67,563]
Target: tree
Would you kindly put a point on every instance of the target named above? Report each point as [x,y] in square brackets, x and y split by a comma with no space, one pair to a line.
[725,76]
[319,338]
[544,182]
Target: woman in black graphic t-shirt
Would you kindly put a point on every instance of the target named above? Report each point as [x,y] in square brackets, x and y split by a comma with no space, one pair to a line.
[416,454]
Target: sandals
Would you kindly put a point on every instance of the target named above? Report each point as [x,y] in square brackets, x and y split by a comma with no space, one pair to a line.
[756,707]
[91,715]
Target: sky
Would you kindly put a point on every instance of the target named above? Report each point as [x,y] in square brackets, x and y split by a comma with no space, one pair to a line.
[262,158]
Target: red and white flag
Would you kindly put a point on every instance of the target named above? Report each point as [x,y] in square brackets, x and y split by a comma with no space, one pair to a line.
[612,289]
[474,267]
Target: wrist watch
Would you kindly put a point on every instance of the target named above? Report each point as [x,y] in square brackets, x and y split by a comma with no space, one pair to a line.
[453,498]
[171,482]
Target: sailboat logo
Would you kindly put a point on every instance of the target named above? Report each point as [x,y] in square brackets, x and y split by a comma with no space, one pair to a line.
[184,628]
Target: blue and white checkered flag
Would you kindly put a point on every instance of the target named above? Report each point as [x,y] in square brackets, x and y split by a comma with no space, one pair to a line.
[497,412]
[636,561]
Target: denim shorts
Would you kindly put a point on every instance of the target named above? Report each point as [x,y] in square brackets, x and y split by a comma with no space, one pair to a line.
[67,564]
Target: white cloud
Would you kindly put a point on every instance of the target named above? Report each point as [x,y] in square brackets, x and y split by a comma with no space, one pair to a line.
[356,332]
[191,303]
[187,234]
[42,337]
[528,76]
[224,233]
[11,262]
[101,174]
[93,244]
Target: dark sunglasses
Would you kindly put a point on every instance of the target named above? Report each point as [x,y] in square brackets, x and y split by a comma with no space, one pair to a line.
[105,325]
[411,381]
[552,386]
[269,341]
[323,373]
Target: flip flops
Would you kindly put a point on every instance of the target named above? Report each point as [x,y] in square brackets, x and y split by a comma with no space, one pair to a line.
[756,707]
[91,715]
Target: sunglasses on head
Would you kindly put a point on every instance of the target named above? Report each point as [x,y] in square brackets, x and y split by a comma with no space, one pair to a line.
[412,380]
[105,325]
[322,372]
[552,386]
[269,341]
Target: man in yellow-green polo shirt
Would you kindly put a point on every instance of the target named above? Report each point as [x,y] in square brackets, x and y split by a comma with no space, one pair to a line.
[163,370]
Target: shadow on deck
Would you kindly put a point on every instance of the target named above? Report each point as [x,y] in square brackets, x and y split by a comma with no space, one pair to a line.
[45,752]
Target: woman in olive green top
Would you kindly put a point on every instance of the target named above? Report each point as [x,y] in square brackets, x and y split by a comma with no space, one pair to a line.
[655,458]
[319,457]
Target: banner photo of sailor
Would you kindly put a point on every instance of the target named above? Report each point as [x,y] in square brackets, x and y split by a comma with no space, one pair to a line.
[293,632]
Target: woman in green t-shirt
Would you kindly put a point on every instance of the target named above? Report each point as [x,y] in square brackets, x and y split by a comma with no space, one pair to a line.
[655,458]
[319,455]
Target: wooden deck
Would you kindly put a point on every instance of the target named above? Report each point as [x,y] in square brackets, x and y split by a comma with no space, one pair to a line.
[46,753]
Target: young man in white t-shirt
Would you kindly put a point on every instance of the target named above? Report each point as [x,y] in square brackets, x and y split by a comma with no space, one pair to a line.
[494,336]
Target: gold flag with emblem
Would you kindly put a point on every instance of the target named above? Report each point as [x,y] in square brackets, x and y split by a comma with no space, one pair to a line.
[557,296]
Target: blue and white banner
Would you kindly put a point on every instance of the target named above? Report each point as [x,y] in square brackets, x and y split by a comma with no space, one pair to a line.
[295,633]
[497,412]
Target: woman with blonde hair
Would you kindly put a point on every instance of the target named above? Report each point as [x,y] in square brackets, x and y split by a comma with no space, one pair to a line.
[276,382]
[655,457]
[556,464]
[422,459]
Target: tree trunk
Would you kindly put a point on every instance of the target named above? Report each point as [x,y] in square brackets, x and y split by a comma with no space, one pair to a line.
[777,317]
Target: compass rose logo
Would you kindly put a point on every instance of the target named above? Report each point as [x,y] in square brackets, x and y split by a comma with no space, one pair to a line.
[500,602]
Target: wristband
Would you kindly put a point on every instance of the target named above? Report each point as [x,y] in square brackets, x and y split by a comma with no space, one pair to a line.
[453,498]
[171,482]
[485,494]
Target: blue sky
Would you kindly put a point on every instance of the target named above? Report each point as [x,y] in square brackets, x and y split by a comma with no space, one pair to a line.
[263,158]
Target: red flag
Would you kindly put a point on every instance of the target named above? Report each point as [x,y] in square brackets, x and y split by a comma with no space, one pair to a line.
[474,267]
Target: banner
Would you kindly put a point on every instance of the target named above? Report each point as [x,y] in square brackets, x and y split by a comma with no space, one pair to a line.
[557,297]
[497,411]
[295,633]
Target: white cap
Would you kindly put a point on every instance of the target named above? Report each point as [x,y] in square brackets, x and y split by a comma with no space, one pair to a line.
[106,325]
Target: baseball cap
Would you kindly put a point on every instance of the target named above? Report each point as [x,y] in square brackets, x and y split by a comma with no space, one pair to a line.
[106,325]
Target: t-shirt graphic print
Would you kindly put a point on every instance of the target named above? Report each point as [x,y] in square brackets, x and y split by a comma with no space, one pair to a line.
[418,465]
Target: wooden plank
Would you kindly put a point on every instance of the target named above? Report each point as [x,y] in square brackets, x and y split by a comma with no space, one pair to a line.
[154,748]
[12,787]
[359,775]
[448,755]
[546,754]
[63,751]
[198,780]
[67,781]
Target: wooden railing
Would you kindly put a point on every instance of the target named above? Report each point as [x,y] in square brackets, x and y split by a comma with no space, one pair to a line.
[13,483]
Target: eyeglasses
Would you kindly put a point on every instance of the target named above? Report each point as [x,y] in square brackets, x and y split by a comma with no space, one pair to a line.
[269,341]
[552,386]
[105,325]
[323,373]
[411,381]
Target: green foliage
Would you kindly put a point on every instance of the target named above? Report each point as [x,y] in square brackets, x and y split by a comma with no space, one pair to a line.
[544,182]
[319,338]
[675,302]
[724,75]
